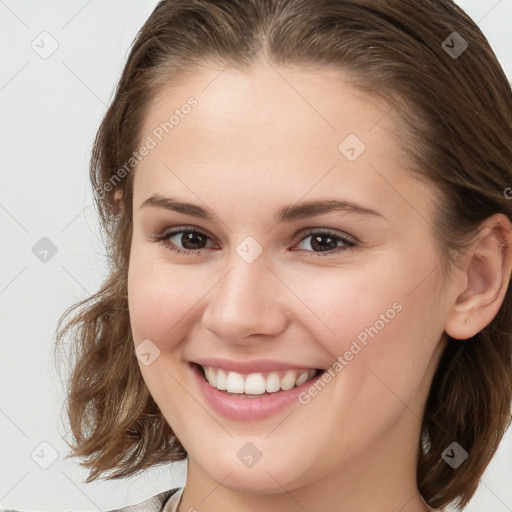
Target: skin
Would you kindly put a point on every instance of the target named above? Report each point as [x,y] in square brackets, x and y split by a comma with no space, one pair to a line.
[257,141]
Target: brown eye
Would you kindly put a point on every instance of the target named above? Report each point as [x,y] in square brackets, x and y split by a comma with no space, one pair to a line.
[326,242]
[183,241]
[191,240]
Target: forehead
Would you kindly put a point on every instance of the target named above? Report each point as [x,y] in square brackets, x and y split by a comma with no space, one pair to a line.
[260,134]
[280,108]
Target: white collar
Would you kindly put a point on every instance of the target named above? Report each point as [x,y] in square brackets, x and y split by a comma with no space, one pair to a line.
[172,504]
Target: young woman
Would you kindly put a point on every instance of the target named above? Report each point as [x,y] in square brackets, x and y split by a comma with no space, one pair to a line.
[307,204]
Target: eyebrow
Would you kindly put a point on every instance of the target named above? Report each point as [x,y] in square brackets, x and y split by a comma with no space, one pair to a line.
[284,214]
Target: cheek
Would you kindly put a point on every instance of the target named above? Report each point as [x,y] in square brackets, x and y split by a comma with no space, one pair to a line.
[381,319]
[158,298]
[349,303]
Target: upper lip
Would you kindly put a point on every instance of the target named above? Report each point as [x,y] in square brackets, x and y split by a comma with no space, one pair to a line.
[252,366]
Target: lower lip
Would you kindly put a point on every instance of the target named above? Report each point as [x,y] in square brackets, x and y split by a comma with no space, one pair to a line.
[237,408]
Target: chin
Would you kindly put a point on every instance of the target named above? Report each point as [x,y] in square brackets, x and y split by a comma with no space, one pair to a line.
[270,475]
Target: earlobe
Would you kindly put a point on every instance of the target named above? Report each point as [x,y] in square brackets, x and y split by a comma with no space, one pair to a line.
[118,200]
[487,279]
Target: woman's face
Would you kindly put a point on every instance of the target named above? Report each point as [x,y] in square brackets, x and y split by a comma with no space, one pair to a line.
[272,283]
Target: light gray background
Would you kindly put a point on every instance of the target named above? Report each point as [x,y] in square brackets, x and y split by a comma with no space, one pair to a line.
[50,111]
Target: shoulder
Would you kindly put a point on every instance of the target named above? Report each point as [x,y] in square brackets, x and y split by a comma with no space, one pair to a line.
[153,504]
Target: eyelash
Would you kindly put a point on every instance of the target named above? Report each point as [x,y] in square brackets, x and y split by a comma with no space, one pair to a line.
[163,239]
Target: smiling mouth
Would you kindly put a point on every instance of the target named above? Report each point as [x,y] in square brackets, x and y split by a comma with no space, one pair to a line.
[257,384]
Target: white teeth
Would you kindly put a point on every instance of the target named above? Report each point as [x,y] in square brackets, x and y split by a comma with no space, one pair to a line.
[255,383]
[272,383]
[235,383]
[221,380]
[210,376]
[288,381]
[303,377]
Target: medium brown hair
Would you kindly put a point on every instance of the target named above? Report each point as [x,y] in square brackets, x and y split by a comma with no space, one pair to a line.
[457,111]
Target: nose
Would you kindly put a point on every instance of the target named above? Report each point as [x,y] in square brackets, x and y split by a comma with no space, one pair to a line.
[248,300]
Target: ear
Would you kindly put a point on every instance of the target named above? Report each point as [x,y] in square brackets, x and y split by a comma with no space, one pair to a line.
[118,200]
[485,277]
